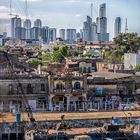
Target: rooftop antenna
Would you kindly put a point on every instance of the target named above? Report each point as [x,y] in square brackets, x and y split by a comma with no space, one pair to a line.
[126,26]
[91,10]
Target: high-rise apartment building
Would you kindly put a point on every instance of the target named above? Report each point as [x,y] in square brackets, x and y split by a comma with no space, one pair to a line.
[35,33]
[117,26]
[20,33]
[71,36]
[62,33]
[27,26]
[15,22]
[45,34]
[38,23]
[52,34]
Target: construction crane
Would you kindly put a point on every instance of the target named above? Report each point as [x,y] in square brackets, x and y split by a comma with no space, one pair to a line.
[11,14]
[20,89]
[14,15]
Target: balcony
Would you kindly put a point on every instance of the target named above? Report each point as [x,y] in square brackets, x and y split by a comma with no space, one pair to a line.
[77,91]
[59,91]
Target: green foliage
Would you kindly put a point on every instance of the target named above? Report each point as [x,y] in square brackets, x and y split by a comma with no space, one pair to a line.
[129,41]
[126,42]
[35,61]
[137,68]
[4,48]
[58,54]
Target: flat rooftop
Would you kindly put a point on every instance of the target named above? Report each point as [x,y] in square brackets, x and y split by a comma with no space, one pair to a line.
[110,75]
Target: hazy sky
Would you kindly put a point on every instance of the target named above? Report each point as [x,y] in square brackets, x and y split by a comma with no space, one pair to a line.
[72,13]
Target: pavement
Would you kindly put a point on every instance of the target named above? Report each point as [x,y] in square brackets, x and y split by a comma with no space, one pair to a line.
[9,117]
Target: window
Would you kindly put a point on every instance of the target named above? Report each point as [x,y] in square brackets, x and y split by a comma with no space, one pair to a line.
[11,89]
[59,86]
[77,85]
[81,69]
[29,89]
[88,70]
[84,69]
[42,87]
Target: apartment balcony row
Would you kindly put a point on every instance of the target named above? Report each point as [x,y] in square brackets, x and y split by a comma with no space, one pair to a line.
[68,91]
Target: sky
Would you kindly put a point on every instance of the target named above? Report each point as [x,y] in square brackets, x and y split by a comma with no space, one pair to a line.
[72,13]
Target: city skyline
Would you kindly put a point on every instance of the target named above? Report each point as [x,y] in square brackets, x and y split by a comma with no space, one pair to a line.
[59,14]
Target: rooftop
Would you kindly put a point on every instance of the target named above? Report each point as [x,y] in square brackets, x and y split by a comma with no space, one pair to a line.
[110,75]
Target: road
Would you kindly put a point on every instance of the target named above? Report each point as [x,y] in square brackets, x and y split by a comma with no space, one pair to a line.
[8,117]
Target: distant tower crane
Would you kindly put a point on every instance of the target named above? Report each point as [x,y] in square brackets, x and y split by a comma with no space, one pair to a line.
[91,10]
[11,14]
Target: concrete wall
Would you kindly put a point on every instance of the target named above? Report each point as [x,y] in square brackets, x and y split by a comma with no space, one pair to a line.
[8,87]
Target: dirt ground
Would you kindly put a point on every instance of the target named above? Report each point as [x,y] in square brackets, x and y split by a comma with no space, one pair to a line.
[9,117]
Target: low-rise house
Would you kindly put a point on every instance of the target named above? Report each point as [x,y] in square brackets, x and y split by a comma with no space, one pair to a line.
[19,85]
[67,92]
[14,93]
[110,89]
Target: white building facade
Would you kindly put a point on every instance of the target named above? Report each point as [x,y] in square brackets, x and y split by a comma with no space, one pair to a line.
[131,60]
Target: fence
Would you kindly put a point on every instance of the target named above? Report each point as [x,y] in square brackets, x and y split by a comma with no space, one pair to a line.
[81,107]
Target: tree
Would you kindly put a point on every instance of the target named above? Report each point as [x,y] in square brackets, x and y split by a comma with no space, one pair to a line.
[126,42]
[4,48]
[137,68]
[35,61]
[58,54]
[129,42]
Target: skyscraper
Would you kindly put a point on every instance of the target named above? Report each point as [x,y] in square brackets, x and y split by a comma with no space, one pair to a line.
[20,33]
[89,30]
[71,35]
[35,33]
[102,10]
[27,26]
[94,32]
[117,26]
[102,24]
[52,34]
[62,33]
[15,22]
[38,23]
[45,34]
